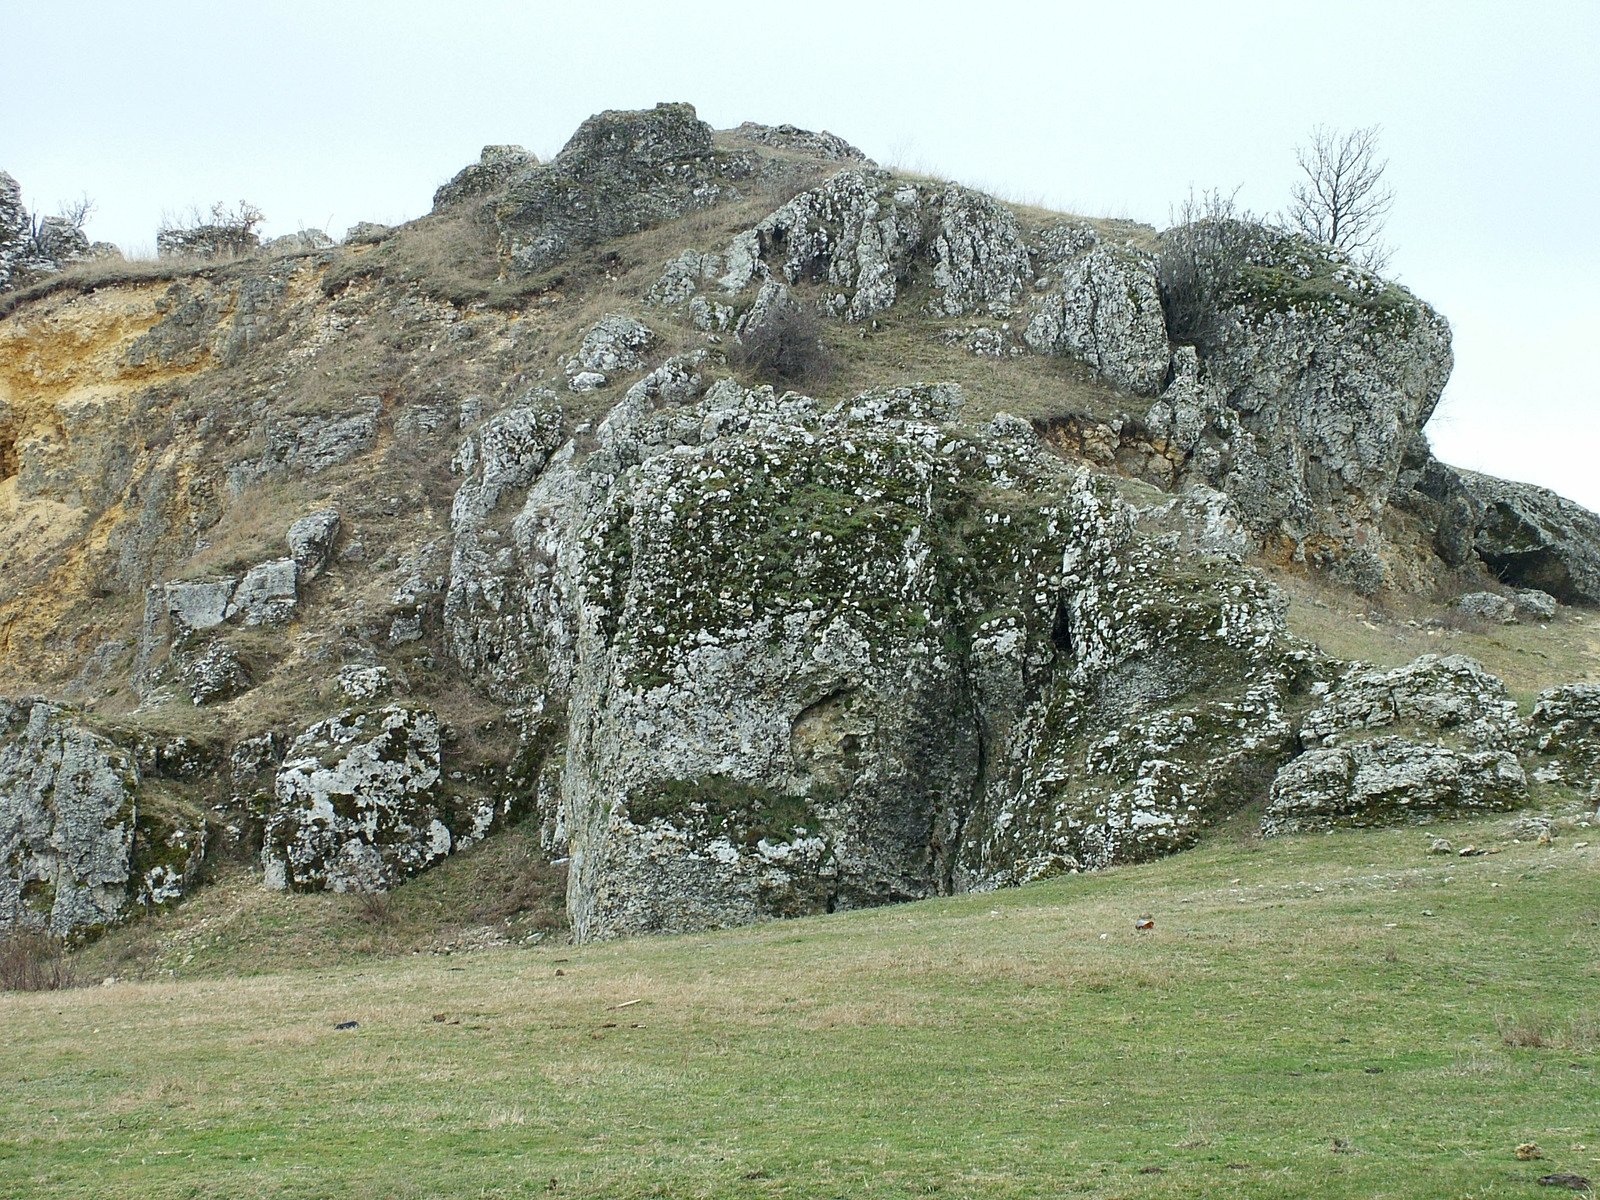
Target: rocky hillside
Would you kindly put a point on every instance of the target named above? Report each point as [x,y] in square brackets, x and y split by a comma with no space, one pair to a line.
[775,532]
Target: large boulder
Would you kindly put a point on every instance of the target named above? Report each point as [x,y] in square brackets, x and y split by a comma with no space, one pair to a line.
[67,800]
[360,802]
[1391,781]
[1532,538]
[1436,737]
[793,660]
[357,804]
[1565,728]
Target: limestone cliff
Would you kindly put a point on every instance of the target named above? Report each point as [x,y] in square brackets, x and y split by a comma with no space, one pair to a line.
[341,558]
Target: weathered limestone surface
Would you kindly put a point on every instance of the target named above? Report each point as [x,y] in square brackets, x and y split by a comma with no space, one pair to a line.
[66,821]
[1313,377]
[494,168]
[1533,538]
[357,804]
[1565,727]
[800,661]
[620,172]
[1436,737]
[84,832]
[1101,302]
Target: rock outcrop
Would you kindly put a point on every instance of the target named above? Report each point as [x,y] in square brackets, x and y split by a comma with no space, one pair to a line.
[1437,737]
[619,173]
[357,805]
[80,839]
[1532,538]
[817,660]
[1313,376]
[1565,728]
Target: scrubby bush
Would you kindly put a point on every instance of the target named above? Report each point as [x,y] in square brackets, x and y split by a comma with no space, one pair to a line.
[785,349]
[224,232]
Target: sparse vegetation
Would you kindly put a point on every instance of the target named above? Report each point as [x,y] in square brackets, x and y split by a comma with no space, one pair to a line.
[1342,200]
[786,350]
[34,961]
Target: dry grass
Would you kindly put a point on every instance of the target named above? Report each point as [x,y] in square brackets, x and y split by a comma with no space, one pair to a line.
[32,961]
[1528,656]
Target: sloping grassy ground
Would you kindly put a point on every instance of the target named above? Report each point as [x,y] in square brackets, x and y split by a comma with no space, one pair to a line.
[1341,1015]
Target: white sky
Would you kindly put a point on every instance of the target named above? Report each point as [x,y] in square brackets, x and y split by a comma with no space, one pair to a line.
[330,112]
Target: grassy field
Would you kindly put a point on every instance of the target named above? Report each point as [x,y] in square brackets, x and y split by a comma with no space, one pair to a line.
[1341,1015]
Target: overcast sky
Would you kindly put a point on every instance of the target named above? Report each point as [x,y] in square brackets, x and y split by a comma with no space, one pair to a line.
[328,113]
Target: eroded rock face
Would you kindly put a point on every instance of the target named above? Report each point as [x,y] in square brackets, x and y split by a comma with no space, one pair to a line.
[1102,305]
[1391,781]
[67,813]
[89,827]
[1532,538]
[1436,737]
[1314,376]
[494,168]
[827,146]
[802,661]
[1565,727]
[357,805]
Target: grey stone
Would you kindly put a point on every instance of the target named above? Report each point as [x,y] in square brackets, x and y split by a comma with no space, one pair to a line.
[619,173]
[791,669]
[1390,781]
[67,813]
[494,169]
[613,344]
[1487,606]
[586,381]
[1532,538]
[1319,375]
[1536,604]
[1104,307]
[216,673]
[827,146]
[1451,694]
[355,804]
[1565,727]
[311,540]
[267,594]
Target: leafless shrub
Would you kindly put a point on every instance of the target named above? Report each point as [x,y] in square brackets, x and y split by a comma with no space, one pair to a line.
[33,961]
[785,349]
[376,908]
[1202,254]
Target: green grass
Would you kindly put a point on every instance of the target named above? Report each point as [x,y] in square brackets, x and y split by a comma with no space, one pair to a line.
[1329,1016]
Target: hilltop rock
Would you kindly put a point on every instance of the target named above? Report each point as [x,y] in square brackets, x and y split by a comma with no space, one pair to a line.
[495,167]
[619,173]
[1319,376]
[824,145]
[30,248]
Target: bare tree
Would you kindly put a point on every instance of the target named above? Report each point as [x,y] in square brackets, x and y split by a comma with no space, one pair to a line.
[1343,200]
